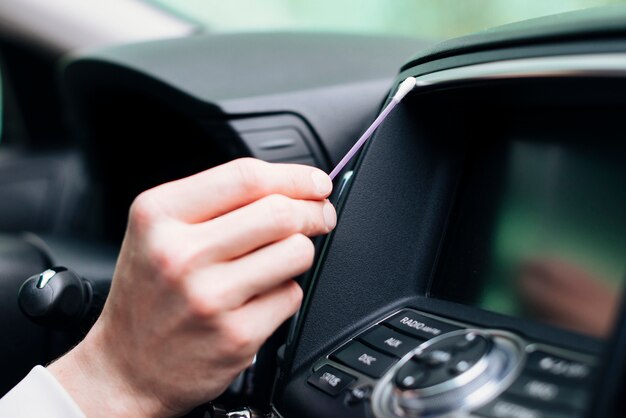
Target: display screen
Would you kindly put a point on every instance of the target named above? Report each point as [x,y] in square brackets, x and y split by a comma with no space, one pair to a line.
[539,232]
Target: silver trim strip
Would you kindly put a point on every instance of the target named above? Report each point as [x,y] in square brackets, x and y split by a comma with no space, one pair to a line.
[588,65]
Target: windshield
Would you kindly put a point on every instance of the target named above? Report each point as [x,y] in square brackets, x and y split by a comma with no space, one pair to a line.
[419,18]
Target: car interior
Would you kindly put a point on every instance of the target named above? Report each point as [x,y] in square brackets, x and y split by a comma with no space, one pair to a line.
[479,256]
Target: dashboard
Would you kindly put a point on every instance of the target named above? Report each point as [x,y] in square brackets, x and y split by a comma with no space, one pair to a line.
[478,263]
[203,100]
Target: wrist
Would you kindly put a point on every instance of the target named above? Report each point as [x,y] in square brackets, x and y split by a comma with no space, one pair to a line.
[97,384]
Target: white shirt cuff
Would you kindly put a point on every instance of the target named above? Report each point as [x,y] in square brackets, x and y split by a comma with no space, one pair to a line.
[39,394]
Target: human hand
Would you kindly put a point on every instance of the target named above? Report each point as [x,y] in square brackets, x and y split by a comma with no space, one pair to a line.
[204,276]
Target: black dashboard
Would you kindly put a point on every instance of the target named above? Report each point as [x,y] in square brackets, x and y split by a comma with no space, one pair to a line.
[479,256]
[467,222]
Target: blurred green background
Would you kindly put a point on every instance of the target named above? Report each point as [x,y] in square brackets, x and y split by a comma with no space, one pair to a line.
[558,204]
[420,18]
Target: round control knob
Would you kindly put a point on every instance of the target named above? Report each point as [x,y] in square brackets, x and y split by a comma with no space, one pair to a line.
[58,298]
[457,371]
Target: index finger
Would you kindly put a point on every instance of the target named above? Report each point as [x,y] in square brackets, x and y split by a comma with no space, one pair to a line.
[227,187]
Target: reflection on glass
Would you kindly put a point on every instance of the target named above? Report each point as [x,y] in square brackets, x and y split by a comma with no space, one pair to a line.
[566,295]
[559,248]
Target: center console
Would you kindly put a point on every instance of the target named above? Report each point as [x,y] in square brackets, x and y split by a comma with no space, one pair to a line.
[414,364]
[478,263]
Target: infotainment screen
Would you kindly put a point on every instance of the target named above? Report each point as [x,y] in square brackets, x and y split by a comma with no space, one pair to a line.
[539,232]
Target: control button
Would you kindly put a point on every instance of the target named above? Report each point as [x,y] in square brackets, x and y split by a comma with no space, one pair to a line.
[445,360]
[506,408]
[330,380]
[436,358]
[364,359]
[557,366]
[459,367]
[390,341]
[411,375]
[466,342]
[470,346]
[549,392]
[359,394]
[467,350]
[419,325]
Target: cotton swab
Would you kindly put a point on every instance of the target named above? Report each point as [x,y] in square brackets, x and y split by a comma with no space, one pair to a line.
[403,89]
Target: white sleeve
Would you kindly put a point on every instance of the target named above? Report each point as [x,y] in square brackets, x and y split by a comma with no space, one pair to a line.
[39,394]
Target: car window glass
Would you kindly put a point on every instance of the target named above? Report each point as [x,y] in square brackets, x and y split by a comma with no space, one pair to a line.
[424,18]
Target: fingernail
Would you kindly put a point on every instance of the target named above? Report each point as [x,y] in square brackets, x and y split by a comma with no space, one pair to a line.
[330,216]
[322,183]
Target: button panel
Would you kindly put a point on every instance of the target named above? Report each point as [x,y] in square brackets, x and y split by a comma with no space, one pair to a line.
[389,341]
[364,359]
[550,384]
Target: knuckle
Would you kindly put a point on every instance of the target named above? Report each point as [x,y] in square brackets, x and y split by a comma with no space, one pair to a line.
[239,339]
[168,258]
[144,209]
[247,172]
[295,179]
[203,308]
[214,247]
[166,262]
[206,304]
[282,213]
